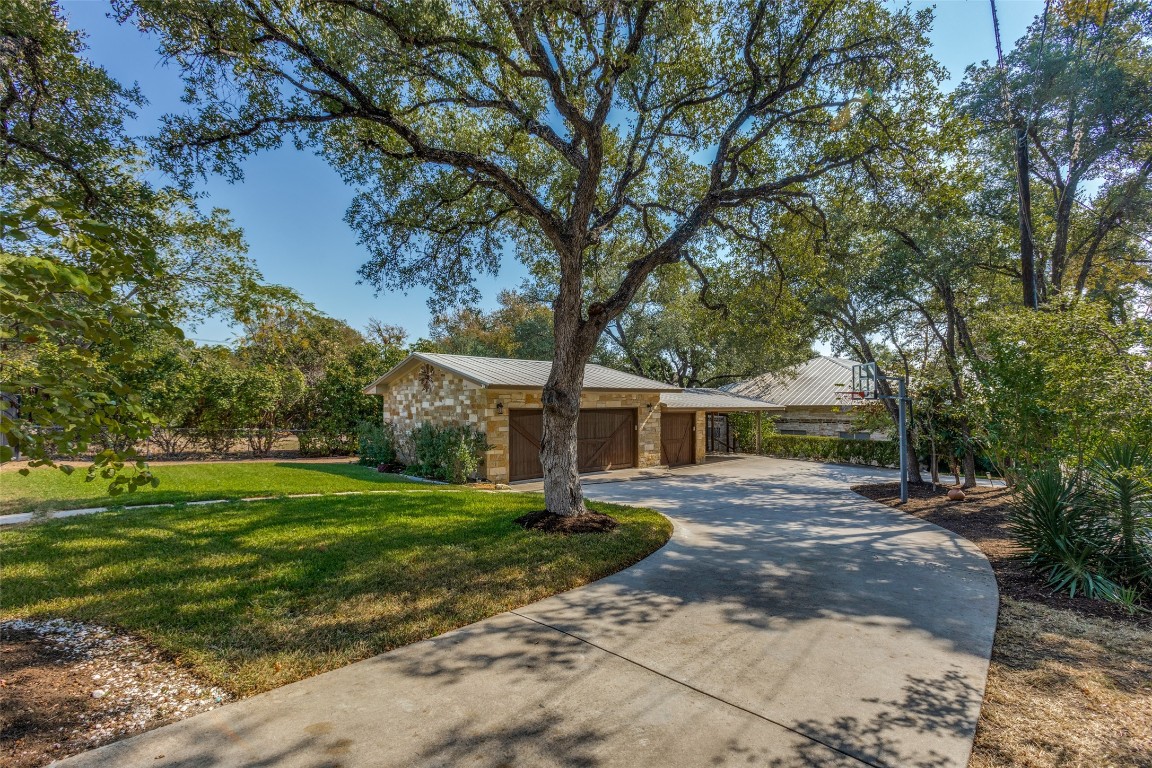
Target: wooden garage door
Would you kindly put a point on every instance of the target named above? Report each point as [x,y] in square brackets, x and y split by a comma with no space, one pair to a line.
[605,439]
[677,443]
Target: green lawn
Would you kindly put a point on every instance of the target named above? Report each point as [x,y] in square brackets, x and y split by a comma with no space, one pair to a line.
[50,489]
[255,595]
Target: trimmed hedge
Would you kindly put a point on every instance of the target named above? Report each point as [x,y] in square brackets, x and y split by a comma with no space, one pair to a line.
[884,453]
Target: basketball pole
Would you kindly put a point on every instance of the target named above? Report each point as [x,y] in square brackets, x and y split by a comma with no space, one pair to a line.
[902,402]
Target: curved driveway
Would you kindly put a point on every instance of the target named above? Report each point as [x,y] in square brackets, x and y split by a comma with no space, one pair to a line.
[788,623]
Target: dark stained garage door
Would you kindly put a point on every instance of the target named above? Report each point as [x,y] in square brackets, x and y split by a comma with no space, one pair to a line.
[605,439]
[677,443]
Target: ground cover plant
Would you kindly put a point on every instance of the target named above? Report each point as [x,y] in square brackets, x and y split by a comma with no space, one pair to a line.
[1070,683]
[46,489]
[255,595]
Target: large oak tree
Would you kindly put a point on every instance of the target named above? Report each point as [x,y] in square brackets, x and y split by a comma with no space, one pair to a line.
[627,133]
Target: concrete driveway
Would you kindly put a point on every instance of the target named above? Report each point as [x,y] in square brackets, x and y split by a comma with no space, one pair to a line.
[788,623]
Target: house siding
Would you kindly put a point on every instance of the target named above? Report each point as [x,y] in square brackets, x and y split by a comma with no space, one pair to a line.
[820,421]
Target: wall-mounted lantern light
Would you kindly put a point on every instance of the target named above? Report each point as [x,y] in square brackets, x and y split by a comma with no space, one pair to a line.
[649,406]
[499,408]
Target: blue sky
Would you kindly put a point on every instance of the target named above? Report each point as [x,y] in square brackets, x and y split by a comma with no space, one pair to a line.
[291,204]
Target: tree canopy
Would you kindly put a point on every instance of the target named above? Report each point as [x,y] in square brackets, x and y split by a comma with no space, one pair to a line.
[613,137]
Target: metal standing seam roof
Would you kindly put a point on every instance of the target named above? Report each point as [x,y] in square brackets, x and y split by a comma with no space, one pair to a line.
[499,373]
[822,381]
[702,399]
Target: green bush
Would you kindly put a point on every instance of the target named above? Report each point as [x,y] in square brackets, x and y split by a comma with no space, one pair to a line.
[325,442]
[1091,534]
[873,452]
[1061,534]
[376,444]
[452,454]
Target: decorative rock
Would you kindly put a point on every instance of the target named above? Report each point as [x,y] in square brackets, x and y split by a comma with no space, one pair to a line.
[99,694]
[955,494]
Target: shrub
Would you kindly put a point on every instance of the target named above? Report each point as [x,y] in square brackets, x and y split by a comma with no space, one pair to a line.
[1061,534]
[1091,534]
[376,444]
[452,454]
[873,452]
[1120,480]
[325,442]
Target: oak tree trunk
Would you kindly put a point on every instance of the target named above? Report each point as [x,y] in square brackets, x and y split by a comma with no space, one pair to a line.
[969,468]
[561,404]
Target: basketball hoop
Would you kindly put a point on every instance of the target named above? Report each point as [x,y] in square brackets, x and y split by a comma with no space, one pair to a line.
[864,378]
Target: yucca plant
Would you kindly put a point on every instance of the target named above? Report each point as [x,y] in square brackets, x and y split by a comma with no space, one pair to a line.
[1121,486]
[1063,534]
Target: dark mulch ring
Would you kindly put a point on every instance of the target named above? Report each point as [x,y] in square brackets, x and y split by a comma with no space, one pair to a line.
[982,518]
[589,522]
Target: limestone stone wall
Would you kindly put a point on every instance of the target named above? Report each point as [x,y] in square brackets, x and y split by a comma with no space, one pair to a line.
[821,422]
[701,436]
[449,400]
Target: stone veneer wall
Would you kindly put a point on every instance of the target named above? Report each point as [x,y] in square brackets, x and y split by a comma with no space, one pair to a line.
[819,421]
[701,436]
[453,400]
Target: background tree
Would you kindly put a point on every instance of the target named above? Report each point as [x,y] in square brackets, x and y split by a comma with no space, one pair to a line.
[520,327]
[581,134]
[1080,83]
[742,323]
[94,257]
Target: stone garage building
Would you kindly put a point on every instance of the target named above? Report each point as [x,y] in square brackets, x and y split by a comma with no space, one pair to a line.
[625,420]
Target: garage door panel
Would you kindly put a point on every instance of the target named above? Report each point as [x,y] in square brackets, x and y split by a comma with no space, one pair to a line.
[606,439]
[677,441]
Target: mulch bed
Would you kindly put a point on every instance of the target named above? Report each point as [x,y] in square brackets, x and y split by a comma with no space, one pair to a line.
[982,519]
[66,687]
[589,522]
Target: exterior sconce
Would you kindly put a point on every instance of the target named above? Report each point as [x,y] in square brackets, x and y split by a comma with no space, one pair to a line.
[649,406]
[499,408]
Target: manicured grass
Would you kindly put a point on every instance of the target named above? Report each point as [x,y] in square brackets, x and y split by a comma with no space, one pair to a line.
[255,595]
[46,489]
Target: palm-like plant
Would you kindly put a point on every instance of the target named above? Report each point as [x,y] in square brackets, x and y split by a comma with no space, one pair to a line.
[1062,534]
[1122,486]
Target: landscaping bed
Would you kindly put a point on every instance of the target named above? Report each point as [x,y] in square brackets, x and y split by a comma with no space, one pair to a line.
[67,687]
[1070,683]
[246,597]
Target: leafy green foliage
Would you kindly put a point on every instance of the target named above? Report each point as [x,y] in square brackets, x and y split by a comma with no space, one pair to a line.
[1081,85]
[519,328]
[1121,481]
[452,454]
[59,333]
[1061,534]
[882,453]
[692,333]
[376,444]
[1058,385]
[1091,534]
